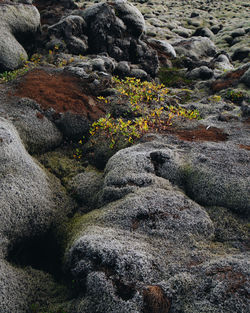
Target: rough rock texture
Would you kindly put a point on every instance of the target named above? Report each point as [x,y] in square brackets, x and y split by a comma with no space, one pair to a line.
[114,28]
[28,202]
[37,132]
[17,23]
[31,201]
[232,78]
[195,48]
[216,177]
[154,223]
[70,29]
[86,186]
[165,227]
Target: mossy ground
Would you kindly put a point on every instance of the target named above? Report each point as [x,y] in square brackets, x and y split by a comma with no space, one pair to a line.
[229,227]
[174,77]
[62,164]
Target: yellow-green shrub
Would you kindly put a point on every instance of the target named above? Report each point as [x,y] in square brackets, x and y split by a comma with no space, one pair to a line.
[148,102]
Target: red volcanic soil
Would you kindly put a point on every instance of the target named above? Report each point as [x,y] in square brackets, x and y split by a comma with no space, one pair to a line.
[61,92]
[230,79]
[245,147]
[200,133]
[155,301]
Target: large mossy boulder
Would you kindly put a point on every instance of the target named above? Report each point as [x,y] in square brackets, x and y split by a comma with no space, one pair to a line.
[32,202]
[30,199]
[18,25]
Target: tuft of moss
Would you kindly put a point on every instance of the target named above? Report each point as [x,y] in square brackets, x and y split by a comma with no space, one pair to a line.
[61,165]
[174,77]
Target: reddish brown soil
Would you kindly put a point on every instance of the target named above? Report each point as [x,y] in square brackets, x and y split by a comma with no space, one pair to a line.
[245,147]
[230,79]
[200,133]
[155,301]
[61,92]
[236,281]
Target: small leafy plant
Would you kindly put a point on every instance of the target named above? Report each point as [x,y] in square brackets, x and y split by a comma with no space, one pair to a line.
[35,60]
[235,96]
[215,98]
[147,101]
[10,75]
[27,65]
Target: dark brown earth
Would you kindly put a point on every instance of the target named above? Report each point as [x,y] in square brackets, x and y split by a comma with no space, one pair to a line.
[201,133]
[229,80]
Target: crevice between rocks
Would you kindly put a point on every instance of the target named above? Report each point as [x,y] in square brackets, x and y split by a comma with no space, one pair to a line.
[40,252]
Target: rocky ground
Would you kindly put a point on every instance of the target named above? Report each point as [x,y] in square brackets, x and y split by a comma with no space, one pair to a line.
[155,227]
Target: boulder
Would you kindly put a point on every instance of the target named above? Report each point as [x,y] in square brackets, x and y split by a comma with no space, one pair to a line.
[116,28]
[222,62]
[231,79]
[70,29]
[37,132]
[197,48]
[115,262]
[150,238]
[122,69]
[204,32]
[205,181]
[73,126]
[18,25]
[28,201]
[241,53]
[224,182]
[31,201]
[124,16]
[163,47]
[202,72]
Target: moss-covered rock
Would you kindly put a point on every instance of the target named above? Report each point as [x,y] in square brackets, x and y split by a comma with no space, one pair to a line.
[62,164]
[229,227]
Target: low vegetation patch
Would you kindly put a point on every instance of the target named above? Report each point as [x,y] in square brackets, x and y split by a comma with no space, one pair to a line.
[148,106]
[173,77]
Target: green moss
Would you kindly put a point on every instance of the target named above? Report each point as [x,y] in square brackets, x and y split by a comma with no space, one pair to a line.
[236,95]
[49,296]
[58,308]
[228,226]
[173,77]
[79,223]
[61,165]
